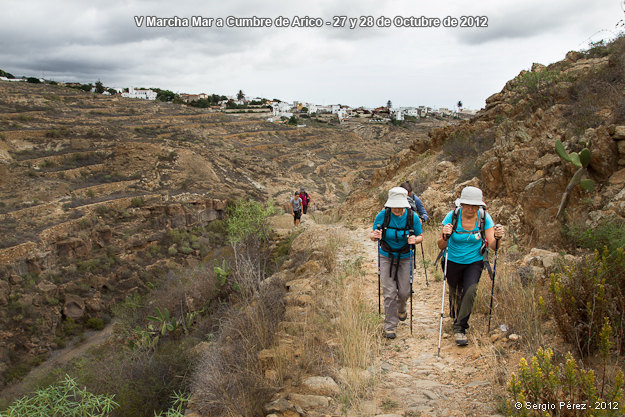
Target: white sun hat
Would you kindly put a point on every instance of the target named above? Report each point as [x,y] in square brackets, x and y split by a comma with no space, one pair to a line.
[397,198]
[471,196]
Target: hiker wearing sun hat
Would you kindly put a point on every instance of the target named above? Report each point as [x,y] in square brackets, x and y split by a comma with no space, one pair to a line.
[468,231]
[396,228]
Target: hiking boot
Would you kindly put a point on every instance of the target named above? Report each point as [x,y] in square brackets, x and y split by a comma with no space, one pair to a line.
[461,339]
[402,315]
[389,334]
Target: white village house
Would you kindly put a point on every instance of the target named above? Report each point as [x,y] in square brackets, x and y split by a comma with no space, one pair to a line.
[281,109]
[11,79]
[397,114]
[142,94]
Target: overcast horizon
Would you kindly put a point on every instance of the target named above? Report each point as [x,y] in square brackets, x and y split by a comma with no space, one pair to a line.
[363,66]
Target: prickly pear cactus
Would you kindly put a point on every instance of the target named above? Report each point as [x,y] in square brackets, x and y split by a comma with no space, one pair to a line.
[581,161]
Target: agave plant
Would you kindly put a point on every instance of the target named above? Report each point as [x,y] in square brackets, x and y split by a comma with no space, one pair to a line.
[581,161]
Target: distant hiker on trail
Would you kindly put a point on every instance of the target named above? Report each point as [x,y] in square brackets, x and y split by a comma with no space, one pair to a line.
[296,208]
[305,198]
[396,227]
[468,231]
[415,202]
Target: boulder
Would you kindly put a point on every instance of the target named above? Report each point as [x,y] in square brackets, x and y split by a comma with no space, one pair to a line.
[309,268]
[573,56]
[283,407]
[620,147]
[307,402]
[491,175]
[619,133]
[321,385]
[72,248]
[604,154]
[542,258]
[74,307]
[618,178]
[547,160]
[299,286]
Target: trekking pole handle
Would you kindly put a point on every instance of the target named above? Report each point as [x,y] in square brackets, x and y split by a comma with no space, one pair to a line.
[378,227]
[498,225]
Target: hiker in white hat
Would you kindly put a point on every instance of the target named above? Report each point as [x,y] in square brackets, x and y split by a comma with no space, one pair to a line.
[468,231]
[396,228]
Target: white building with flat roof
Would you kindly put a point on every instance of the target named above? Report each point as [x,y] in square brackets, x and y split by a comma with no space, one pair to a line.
[142,94]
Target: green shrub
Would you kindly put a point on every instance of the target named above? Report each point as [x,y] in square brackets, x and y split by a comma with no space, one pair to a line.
[95,323]
[186,250]
[585,293]
[64,399]
[249,234]
[137,202]
[553,387]
[282,249]
[609,233]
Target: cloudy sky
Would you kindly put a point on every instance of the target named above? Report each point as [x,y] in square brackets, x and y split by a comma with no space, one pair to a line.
[74,40]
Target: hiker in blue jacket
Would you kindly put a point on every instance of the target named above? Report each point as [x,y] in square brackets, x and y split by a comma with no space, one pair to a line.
[416,204]
[465,254]
[392,227]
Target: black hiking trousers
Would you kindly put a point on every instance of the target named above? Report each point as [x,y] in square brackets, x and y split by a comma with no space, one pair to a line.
[462,280]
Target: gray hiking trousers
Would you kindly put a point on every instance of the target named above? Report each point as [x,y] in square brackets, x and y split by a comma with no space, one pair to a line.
[395,293]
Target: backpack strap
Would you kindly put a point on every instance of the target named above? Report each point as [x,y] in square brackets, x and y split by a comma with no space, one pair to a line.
[395,253]
[481,214]
[484,249]
[387,219]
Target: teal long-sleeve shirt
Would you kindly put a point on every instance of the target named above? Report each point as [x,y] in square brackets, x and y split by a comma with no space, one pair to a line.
[396,237]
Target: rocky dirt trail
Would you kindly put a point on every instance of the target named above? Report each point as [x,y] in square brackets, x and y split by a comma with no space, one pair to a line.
[414,381]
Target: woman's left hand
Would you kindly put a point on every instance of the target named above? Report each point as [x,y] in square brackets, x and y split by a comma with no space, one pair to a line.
[413,240]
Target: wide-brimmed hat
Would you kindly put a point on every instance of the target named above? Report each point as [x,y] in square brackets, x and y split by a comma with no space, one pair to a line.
[302,189]
[397,198]
[472,196]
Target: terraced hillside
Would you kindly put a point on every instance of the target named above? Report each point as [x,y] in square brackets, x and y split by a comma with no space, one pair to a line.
[100,194]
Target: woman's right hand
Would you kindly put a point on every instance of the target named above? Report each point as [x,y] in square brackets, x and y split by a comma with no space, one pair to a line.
[446,231]
[375,234]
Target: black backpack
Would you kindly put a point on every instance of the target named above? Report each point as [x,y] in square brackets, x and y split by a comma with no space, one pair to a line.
[394,253]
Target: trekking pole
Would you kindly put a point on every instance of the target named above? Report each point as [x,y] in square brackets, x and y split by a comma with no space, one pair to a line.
[379,281]
[424,268]
[411,233]
[492,290]
[440,329]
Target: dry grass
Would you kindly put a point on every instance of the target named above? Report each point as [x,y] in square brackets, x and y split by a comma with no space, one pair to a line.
[358,335]
[430,251]
[229,379]
[516,303]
